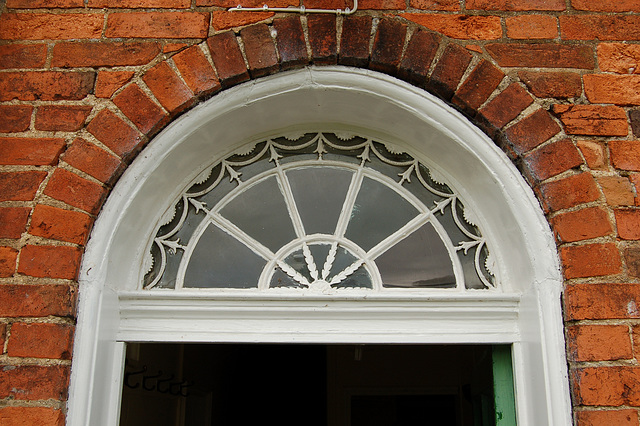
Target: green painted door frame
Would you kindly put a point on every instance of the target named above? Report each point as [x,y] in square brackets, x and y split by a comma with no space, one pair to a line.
[504,396]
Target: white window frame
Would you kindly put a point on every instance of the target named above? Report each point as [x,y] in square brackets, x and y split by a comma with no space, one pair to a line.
[525,312]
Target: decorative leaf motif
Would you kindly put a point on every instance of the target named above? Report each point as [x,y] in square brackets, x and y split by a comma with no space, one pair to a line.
[274,156]
[233,175]
[490,264]
[344,136]
[328,263]
[346,272]
[365,154]
[393,149]
[199,206]
[202,177]
[174,245]
[469,217]
[295,275]
[406,175]
[437,177]
[466,245]
[246,150]
[441,205]
[320,149]
[311,264]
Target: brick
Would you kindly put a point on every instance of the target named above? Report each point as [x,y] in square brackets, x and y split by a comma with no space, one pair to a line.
[553,159]
[223,20]
[531,27]
[620,58]
[23,56]
[174,47]
[635,181]
[607,386]
[34,382]
[228,59]
[135,4]
[593,120]
[634,119]
[362,4]
[15,118]
[76,191]
[109,129]
[108,82]
[92,160]
[30,151]
[531,131]
[20,186]
[569,192]
[599,342]
[608,417]
[141,110]
[13,221]
[59,224]
[448,5]
[8,258]
[601,301]
[48,4]
[259,49]
[322,39]
[517,5]
[246,3]
[419,55]
[387,46]
[617,190]
[64,118]
[158,25]
[354,43]
[449,70]
[631,256]
[552,84]
[291,44]
[600,27]
[550,55]
[590,260]
[50,261]
[506,106]
[628,222]
[625,155]
[103,54]
[168,88]
[464,27]
[477,88]
[20,300]
[583,224]
[39,340]
[46,26]
[593,153]
[25,416]
[196,71]
[45,85]
[612,89]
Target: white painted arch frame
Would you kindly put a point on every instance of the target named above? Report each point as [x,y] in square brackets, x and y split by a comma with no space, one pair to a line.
[526,312]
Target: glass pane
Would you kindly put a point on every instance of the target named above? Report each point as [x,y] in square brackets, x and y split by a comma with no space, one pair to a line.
[261,212]
[378,212]
[319,194]
[419,261]
[221,261]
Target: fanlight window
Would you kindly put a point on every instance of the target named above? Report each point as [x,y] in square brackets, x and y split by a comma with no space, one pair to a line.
[322,212]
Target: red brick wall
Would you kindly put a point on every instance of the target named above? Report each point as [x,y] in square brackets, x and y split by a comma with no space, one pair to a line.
[84,85]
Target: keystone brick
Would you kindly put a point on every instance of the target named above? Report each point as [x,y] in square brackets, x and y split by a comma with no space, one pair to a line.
[259,49]
[620,58]
[628,222]
[417,60]
[141,110]
[133,4]
[8,257]
[531,27]
[551,55]
[632,259]
[103,54]
[227,59]
[62,225]
[34,382]
[19,300]
[75,191]
[20,186]
[506,106]
[23,56]
[43,26]
[45,85]
[553,159]
[292,47]
[196,71]
[608,386]
[590,260]
[477,88]
[387,46]
[608,417]
[41,340]
[108,82]
[594,120]
[92,160]
[569,192]
[13,221]
[15,118]
[109,129]
[552,84]
[223,20]
[449,70]
[617,190]
[519,5]
[354,44]
[593,153]
[30,151]
[37,4]
[597,342]
[449,5]
[50,261]
[24,416]
[65,118]
[625,155]
[583,224]
[465,27]
[612,89]
[600,27]
[158,25]
[168,88]
[322,38]
[531,131]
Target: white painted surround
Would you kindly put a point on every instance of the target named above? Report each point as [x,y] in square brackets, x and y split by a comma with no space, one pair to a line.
[524,311]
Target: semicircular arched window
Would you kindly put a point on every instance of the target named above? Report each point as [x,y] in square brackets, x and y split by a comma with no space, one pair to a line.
[322,212]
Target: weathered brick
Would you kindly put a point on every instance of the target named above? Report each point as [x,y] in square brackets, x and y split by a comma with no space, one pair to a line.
[24,416]
[92,160]
[553,159]
[362,4]
[108,82]
[631,254]
[418,57]
[45,85]
[158,25]
[550,55]
[628,222]
[65,118]
[593,153]
[607,386]
[601,301]
[322,38]
[39,340]
[634,119]
[246,3]
[477,88]
[103,54]
[599,342]
[30,151]
[23,56]
[168,88]
[612,89]
[75,191]
[617,190]
[621,58]
[635,181]
[196,71]
[134,4]
[600,27]
[15,118]
[141,110]
[109,129]
[608,417]
[43,26]
[531,27]
[569,192]
[354,43]
[552,84]
[506,106]
[13,221]
[625,155]
[20,300]
[34,382]
[465,27]
[38,4]
[590,260]
[223,20]
[449,5]
[517,5]
[8,258]
[594,120]
[583,224]
[291,44]
[20,186]
[59,224]
[227,59]
[449,70]
[50,261]
[531,131]
[259,49]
